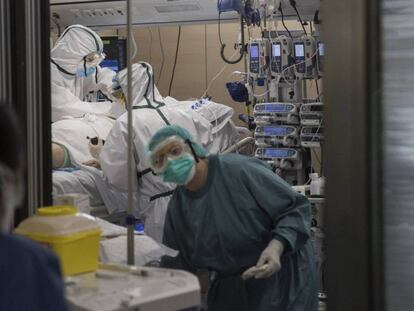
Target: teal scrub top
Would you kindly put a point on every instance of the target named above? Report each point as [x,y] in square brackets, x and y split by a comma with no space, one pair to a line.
[225,226]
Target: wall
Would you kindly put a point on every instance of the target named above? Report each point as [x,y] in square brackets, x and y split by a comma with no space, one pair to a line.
[198,60]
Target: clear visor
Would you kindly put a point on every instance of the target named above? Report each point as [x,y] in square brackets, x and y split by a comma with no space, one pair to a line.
[172,148]
[94,59]
[118,95]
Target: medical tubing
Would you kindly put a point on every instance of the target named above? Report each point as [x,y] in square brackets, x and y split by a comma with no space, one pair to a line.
[223,45]
[175,60]
[135,47]
[131,169]
[216,76]
[294,65]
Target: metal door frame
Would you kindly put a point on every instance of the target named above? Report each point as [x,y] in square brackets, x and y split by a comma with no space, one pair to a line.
[25,84]
[353,153]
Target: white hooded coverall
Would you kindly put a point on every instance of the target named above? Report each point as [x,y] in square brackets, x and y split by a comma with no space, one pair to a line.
[69,90]
[149,115]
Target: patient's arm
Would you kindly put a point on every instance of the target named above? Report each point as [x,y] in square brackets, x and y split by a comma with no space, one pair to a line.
[60,156]
[93,163]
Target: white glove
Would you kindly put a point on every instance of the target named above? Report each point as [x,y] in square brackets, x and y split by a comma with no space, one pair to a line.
[268,263]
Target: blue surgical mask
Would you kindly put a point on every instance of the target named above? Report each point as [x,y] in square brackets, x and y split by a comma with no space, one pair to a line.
[89,71]
[180,171]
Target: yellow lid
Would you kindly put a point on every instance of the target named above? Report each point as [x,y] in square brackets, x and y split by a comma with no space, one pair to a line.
[57,221]
[59,210]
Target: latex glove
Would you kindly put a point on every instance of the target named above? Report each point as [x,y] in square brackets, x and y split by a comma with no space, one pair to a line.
[268,263]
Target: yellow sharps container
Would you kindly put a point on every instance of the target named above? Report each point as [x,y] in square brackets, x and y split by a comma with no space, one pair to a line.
[73,236]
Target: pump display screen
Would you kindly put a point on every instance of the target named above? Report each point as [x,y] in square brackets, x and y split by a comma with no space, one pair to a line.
[276,108]
[321,48]
[316,108]
[276,131]
[254,51]
[299,50]
[276,50]
[276,153]
[312,108]
[312,130]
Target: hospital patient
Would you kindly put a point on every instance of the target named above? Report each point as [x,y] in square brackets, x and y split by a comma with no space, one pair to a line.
[29,273]
[75,72]
[149,114]
[232,215]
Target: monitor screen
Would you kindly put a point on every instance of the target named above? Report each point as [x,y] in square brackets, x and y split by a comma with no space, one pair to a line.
[299,50]
[276,50]
[110,63]
[115,50]
[254,51]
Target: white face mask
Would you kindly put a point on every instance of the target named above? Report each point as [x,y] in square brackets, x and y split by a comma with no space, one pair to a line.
[12,195]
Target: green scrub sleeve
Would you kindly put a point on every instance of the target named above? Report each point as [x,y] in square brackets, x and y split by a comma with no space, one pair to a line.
[289,211]
[171,240]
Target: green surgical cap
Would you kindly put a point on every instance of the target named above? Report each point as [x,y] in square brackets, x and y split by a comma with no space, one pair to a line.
[175,130]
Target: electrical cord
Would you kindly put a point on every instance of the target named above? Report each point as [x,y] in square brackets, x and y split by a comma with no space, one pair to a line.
[322,168]
[317,158]
[162,55]
[283,20]
[293,4]
[175,60]
[150,45]
[205,57]
[317,87]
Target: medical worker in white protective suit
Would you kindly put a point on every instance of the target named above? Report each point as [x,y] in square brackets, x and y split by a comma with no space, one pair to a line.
[75,72]
[149,115]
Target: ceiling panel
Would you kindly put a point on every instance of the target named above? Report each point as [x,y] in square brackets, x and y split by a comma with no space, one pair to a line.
[104,14]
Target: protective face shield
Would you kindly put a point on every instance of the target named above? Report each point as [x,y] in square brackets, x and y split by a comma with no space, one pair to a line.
[11,186]
[174,160]
[117,92]
[89,63]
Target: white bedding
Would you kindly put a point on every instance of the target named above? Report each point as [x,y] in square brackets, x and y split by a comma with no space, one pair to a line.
[72,133]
